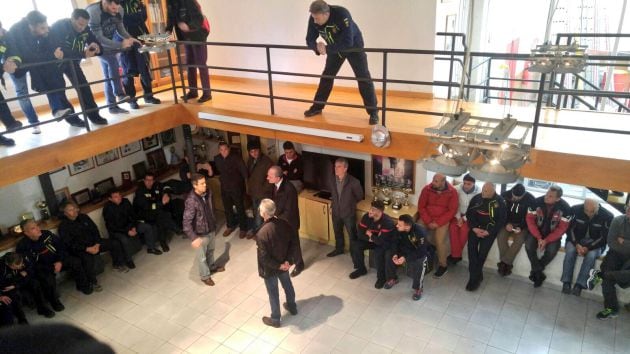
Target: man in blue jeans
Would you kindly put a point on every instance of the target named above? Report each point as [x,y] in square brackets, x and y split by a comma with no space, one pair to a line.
[275,256]
[586,237]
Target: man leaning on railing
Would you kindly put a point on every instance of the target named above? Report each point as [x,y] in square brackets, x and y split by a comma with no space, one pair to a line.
[5,113]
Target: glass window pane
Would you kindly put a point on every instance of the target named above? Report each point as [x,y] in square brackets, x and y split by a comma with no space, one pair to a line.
[55,9]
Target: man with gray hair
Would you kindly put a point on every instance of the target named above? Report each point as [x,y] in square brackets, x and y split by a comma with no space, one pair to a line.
[346,192]
[340,33]
[276,248]
[586,237]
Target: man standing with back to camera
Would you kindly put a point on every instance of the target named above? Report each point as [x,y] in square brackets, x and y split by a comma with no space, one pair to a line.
[335,25]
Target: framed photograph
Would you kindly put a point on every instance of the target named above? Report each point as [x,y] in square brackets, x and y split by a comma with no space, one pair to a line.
[157,160]
[62,195]
[139,170]
[130,148]
[150,142]
[104,186]
[393,172]
[81,197]
[106,157]
[125,177]
[81,166]
[168,137]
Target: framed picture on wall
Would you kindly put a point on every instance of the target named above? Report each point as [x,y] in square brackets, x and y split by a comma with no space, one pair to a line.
[167,137]
[130,148]
[150,142]
[104,186]
[106,157]
[81,197]
[139,170]
[81,166]
[157,160]
[393,172]
[125,177]
[62,195]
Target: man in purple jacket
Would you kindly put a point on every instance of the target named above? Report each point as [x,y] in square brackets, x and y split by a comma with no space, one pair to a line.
[200,226]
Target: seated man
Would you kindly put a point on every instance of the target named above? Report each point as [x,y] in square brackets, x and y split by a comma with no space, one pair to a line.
[517,202]
[586,237]
[412,249]
[149,204]
[615,269]
[122,225]
[47,253]
[83,241]
[376,231]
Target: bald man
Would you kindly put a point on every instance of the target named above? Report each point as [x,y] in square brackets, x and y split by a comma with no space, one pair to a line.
[486,216]
[586,237]
[437,205]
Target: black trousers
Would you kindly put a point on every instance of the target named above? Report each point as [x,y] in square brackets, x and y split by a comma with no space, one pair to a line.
[615,271]
[12,310]
[385,267]
[418,267]
[84,264]
[350,223]
[85,91]
[297,257]
[531,247]
[133,64]
[234,198]
[47,279]
[359,64]
[478,249]
[5,113]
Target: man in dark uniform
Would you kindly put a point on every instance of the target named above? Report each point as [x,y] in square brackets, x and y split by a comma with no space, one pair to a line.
[5,112]
[411,249]
[335,25]
[292,166]
[149,204]
[82,240]
[257,186]
[47,253]
[517,202]
[376,232]
[346,192]
[285,198]
[275,246]
[73,38]
[232,175]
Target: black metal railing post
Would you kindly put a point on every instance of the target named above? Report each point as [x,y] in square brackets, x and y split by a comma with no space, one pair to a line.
[450,66]
[541,91]
[75,79]
[487,90]
[384,99]
[170,65]
[270,80]
[181,73]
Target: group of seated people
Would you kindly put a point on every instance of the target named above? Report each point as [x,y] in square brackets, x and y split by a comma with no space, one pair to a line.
[98,30]
[31,271]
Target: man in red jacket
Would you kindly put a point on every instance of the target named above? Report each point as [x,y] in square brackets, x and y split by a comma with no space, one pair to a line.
[437,205]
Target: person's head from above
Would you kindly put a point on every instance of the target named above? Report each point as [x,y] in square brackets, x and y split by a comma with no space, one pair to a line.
[488,190]
[320,12]
[149,180]
[111,6]
[198,183]
[376,210]
[115,196]
[289,150]
[274,174]
[13,260]
[591,207]
[37,23]
[267,209]
[79,20]
[405,223]
[438,182]
[341,167]
[518,192]
[224,149]
[31,229]
[469,183]
[253,148]
[553,195]
[70,210]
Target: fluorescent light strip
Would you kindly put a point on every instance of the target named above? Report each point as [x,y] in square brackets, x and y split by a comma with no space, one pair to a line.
[357,138]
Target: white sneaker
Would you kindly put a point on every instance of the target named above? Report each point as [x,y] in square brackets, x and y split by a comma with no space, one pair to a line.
[36,130]
[62,113]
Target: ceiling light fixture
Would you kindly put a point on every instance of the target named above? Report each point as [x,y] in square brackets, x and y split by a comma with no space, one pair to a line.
[563,59]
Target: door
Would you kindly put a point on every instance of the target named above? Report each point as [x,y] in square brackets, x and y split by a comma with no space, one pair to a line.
[316,215]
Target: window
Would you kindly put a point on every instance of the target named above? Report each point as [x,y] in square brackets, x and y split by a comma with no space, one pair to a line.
[53,9]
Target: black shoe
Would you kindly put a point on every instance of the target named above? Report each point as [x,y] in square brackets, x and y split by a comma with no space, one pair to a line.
[4,141]
[271,323]
[117,110]
[16,124]
[594,278]
[357,273]
[607,313]
[152,100]
[296,272]
[204,98]
[131,265]
[566,288]
[76,122]
[440,272]
[46,312]
[453,260]
[134,105]
[189,96]
[379,284]
[22,321]
[165,247]
[154,251]
[577,290]
[469,285]
[374,118]
[334,253]
[57,306]
[87,290]
[539,278]
[98,120]
[312,112]
[292,311]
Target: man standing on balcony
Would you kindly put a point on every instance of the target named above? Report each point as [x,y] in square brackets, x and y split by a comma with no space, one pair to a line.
[191,25]
[340,33]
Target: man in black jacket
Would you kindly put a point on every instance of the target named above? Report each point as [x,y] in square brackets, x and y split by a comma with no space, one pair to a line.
[232,175]
[335,25]
[74,40]
[200,226]
[258,187]
[376,232]
[149,203]
[122,225]
[47,253]
[189,23]
[285,198]
[82,239]
[275,247]
[586,237]
[5,112]
[292,166]
[346,192]
[486,216]
[517,202]
[412,249]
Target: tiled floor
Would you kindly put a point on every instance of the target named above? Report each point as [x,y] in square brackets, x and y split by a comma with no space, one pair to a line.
[162,307]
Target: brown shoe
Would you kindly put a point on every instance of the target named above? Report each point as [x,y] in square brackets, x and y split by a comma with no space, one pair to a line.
[242,234]
[228,231]
[217,269]
[271,323]
[208,282]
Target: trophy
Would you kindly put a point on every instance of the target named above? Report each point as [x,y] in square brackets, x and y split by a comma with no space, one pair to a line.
[397,197]
[374,193]
[406,192]
[386,193]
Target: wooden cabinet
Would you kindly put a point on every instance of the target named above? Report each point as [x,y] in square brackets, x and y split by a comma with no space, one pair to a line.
[314,221]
